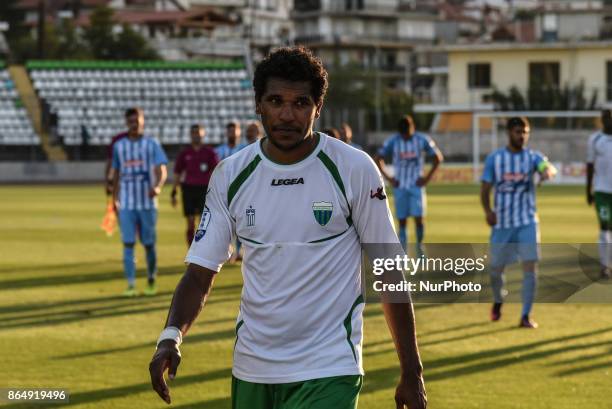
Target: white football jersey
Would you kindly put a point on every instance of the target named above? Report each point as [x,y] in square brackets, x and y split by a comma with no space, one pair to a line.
[599,153]
[302,226]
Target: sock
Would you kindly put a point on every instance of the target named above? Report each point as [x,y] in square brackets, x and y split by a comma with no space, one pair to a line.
[605,248]
[420,234]
[529,290]
[151,263]
[403,237]
[129,265]
[190,233]
[497,285]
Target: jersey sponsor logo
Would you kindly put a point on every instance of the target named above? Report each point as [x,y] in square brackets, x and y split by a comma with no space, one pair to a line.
[322,212]
[204,221]
[281,182]
[379,194]
[408,155]
[133,163]
[250,214]
[514,177]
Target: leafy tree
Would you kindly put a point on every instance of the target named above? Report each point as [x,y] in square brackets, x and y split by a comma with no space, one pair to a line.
[99,35]
[131,45]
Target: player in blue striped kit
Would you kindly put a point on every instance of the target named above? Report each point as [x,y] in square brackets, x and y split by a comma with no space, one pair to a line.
[407,149]
[139,172]
[515,234]
[233,145]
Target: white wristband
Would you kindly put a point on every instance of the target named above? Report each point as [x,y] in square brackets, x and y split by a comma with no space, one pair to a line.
[171,333]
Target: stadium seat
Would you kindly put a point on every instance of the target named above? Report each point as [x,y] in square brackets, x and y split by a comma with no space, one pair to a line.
[172,95]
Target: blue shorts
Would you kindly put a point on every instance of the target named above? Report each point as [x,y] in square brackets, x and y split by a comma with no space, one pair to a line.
[409,202]
[143,220]
[508,245]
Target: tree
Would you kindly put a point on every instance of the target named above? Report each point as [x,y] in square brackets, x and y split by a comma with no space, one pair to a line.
[99,35]
[131,45]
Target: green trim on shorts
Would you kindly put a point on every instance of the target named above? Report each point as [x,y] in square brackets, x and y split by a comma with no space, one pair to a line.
[603,206]
[336,392]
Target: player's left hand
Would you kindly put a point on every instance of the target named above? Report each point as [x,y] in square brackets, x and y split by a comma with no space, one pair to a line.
[411,394]
[422,181]
[549,173]
[155,191]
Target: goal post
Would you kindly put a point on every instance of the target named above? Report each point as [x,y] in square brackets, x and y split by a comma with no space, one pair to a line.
[496,116]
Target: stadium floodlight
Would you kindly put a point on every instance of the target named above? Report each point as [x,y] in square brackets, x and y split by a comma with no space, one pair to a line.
[495,116]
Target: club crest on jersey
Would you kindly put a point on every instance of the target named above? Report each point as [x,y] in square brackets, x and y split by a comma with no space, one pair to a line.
[204,221]
[322,212]
[250,214]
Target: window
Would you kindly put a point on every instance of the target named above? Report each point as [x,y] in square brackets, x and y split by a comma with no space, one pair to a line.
[353,5]
[307,5]
[544,74]
[479,75]
[609,80]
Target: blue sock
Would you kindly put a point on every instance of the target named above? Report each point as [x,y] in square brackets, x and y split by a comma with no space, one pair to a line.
[497,285]
[151,262]
[420,233]
[403,237]
[529,289]
[129,265]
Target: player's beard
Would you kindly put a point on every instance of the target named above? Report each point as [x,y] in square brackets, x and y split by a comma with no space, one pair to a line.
[289,148]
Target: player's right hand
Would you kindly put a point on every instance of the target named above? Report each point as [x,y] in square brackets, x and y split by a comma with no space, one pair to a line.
[491,218]
[167,356]
[590,198]
[411,394]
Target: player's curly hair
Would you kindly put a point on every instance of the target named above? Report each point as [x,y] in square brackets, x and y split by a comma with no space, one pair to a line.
[292,64]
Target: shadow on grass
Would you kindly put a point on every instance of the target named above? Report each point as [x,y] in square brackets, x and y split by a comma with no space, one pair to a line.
[479,362]
[189,339]
[582,369]
[119,309]
[100,395]
[65,266]
[435,342]
[76,278]
[219,403]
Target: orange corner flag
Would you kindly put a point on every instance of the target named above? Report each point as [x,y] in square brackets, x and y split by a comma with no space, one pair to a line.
[109,222]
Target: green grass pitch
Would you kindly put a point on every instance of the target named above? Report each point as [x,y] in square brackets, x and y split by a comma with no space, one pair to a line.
[64,325]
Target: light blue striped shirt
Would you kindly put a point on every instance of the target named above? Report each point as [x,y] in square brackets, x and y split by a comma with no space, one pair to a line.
[512,176]
[407,156]
[135,161]
[224,150]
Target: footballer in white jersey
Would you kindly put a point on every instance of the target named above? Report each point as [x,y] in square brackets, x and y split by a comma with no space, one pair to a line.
[303,204]
[599,188]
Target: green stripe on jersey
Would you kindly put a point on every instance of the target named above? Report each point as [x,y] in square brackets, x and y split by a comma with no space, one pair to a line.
[348,325]
[328,238]
[241,178]
[249,240]
[333,169]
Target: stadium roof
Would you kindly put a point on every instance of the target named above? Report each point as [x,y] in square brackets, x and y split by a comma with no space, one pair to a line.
[33,4]
[513,46]
[128,65]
